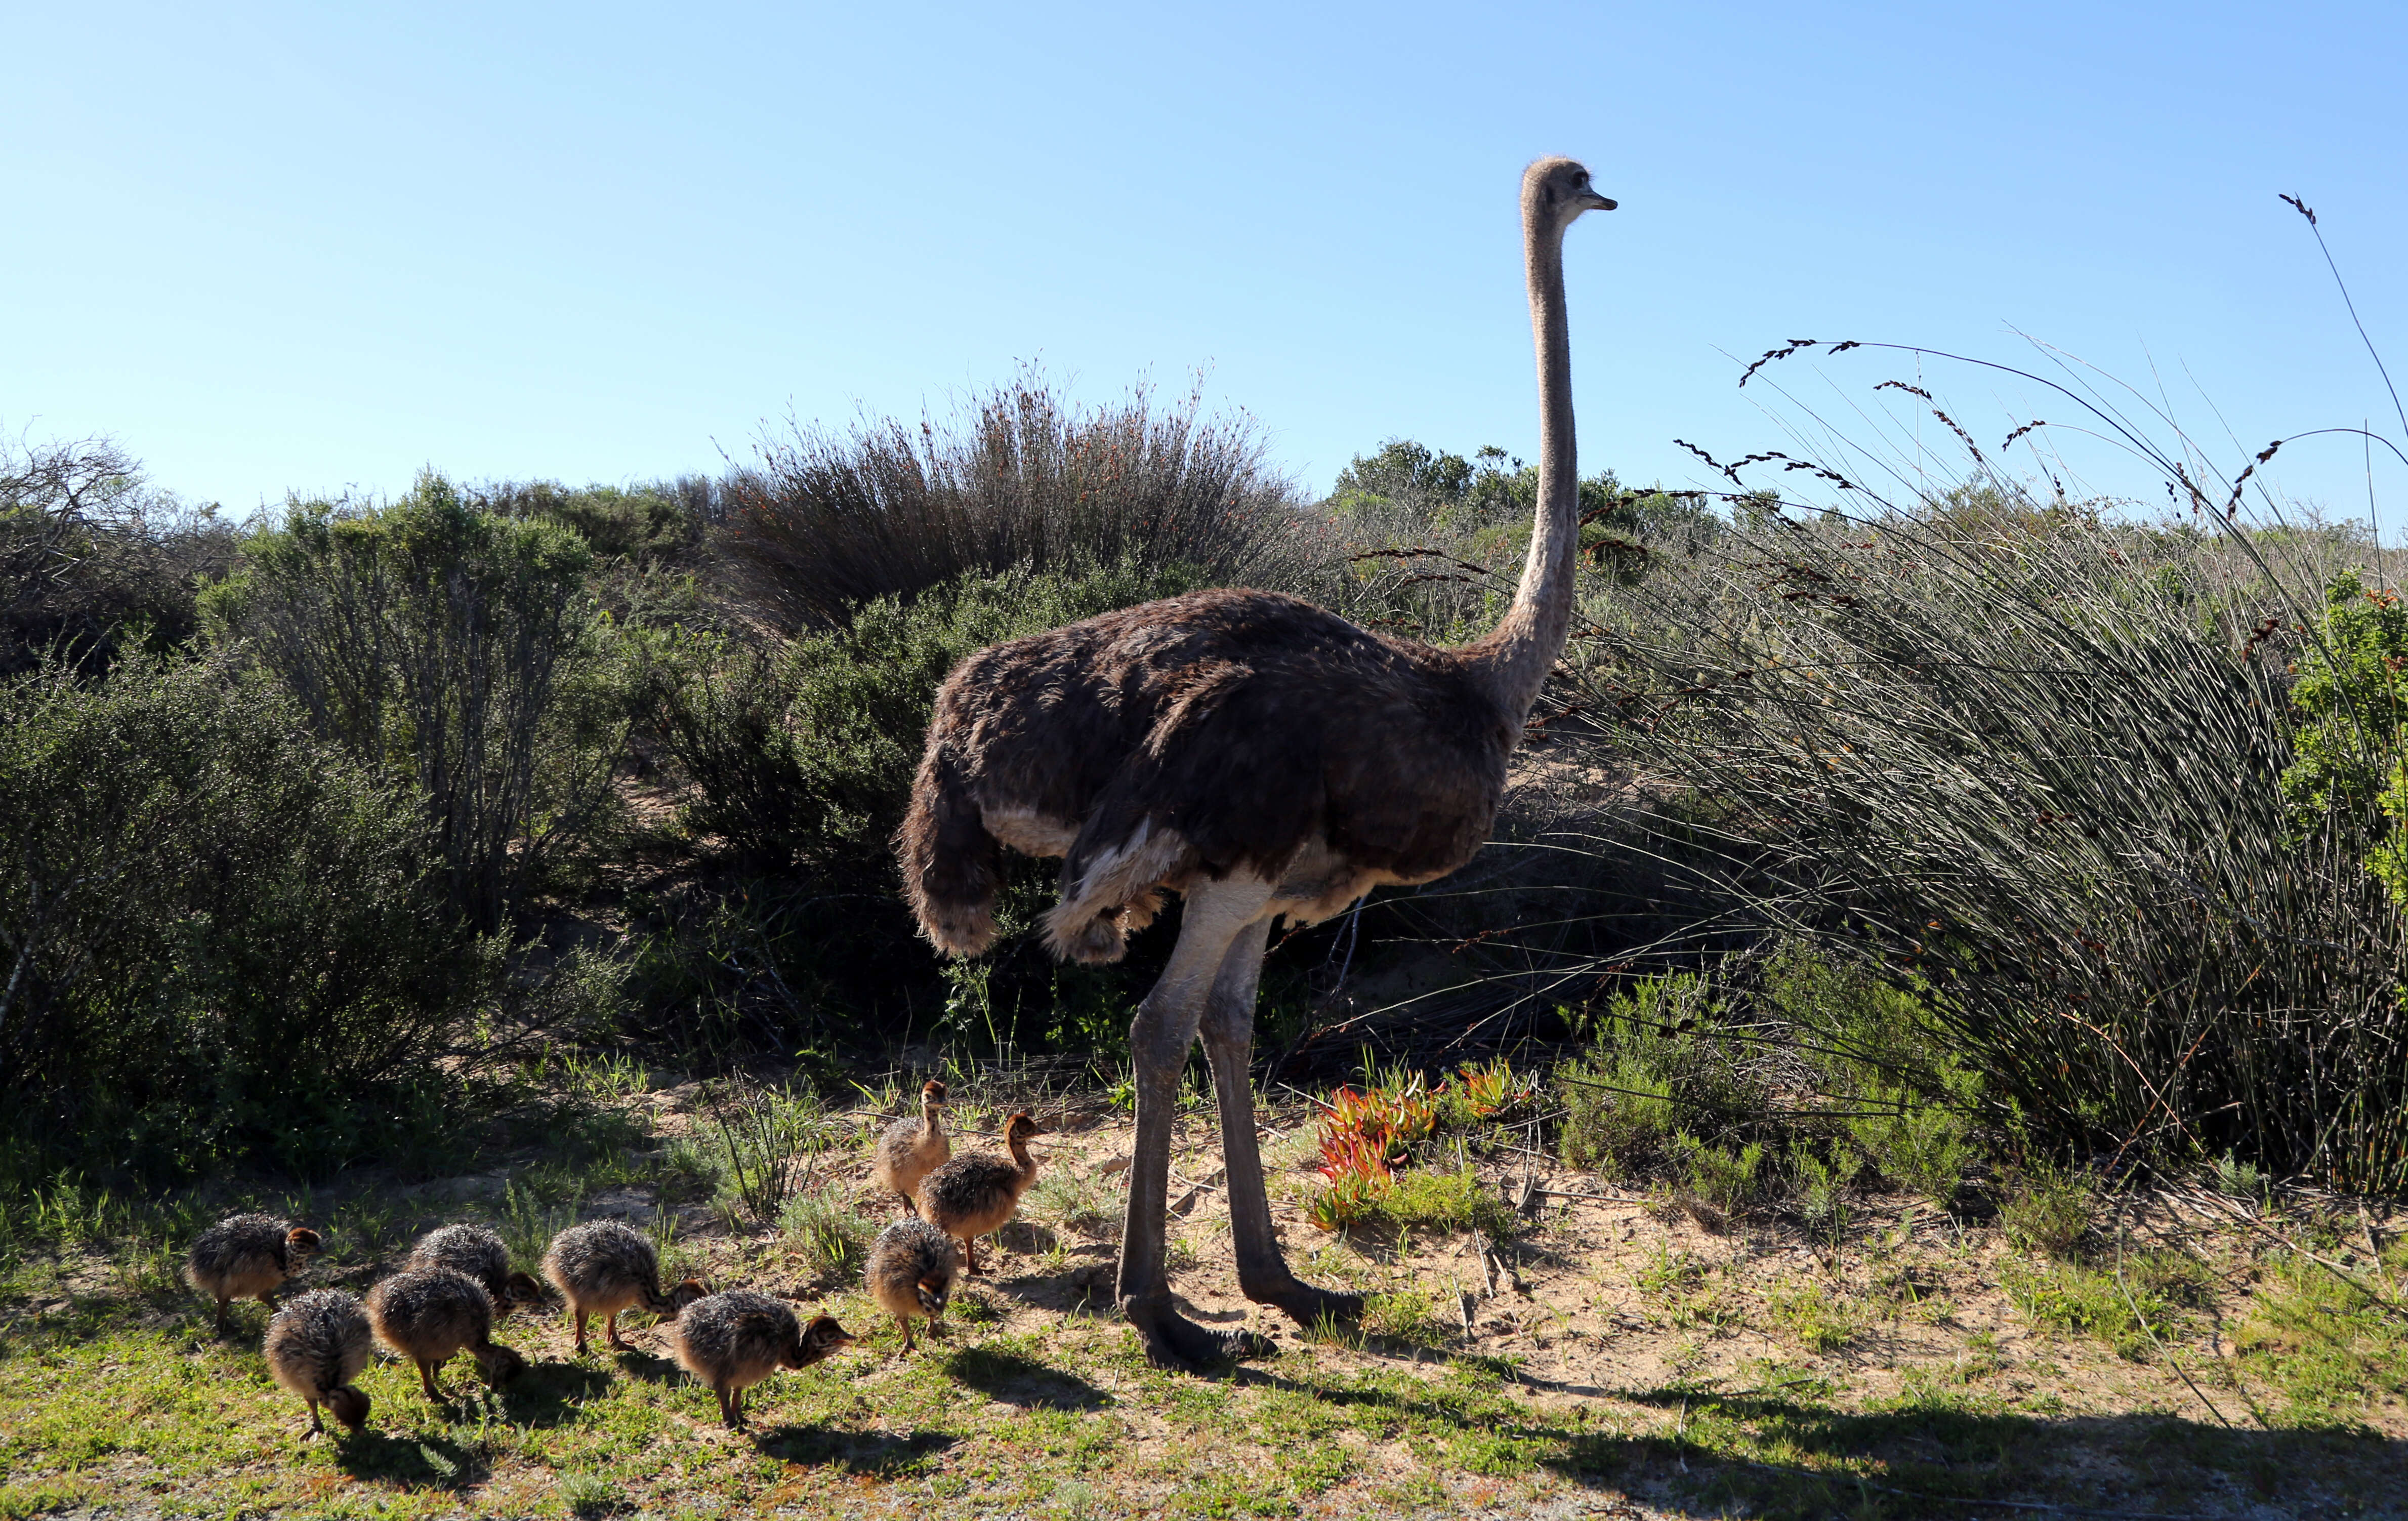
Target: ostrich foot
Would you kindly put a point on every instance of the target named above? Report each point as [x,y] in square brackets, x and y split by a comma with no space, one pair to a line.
[1306,1305]
[1173,1340]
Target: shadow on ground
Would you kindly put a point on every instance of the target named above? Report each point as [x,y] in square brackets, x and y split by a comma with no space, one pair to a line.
[1024,1382]
[887,1455]
[412,1461]
[551,1393]
[645,1365]
[1934,1457]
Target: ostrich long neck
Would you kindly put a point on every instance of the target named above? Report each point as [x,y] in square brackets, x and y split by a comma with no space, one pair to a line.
[1519,652]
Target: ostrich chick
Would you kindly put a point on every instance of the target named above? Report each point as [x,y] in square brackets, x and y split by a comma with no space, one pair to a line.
[316,1346]
[911,1149]
[430,1315]
[970,1195]
[911,1272]
[735,1340]
[603,1268]
[476,1253]
[246,1254]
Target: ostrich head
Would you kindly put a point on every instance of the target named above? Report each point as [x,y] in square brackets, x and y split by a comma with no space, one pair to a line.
[1558,190]
[815,1341]
[349,1406]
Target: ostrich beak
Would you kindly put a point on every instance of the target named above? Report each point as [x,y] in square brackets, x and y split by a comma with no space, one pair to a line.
[1598,203]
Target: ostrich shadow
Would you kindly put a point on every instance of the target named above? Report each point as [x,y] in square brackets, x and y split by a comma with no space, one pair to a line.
[650,1367]
[1011,1379]
[551,1393]
[885,1453]
[410,1460]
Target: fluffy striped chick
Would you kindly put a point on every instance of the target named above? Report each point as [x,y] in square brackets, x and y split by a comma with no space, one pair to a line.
[476,1253]
[431,1314]
[911,1272]
[316,1346]
[910,1149]
[734,1339]
[970,1195]
[603,1268]
[247,1254]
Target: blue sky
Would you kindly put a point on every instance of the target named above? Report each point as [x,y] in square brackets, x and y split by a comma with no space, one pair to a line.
[277,249]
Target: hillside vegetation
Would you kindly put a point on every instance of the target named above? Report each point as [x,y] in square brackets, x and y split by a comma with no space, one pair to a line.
[1978,857]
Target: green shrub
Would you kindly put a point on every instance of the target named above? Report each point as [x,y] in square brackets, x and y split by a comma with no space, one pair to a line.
[1443,1201]
[451,649]
[2047,1210]
[2237,1179]
[803,753]
[1725,1177]
[1881,1058]
[1656,1067]
[2352,700]
[1618,1113]
[1922,1147]
[1822,1193]
[660,522]
[222,943]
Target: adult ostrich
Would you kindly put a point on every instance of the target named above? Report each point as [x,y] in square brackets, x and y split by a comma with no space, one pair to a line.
[1261,757]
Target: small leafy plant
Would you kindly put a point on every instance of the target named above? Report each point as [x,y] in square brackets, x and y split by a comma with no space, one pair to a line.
[1368,1133]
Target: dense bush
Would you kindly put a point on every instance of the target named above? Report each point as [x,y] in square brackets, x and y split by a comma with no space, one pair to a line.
[2350,773]
[800,754]
[437,642]
[91,558]
[803,751]
[2026,756]
[824,523]
[660,523]
[1659,1080]
[220,940]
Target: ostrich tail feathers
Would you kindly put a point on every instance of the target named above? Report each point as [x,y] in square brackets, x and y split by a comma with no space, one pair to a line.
[952,866]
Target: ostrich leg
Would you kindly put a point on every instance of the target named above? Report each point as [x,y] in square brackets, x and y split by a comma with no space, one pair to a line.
[1228,1031]
[1214,915]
